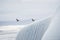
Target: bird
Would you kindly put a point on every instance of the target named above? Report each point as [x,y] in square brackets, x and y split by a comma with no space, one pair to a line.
[33,20]
[17,20]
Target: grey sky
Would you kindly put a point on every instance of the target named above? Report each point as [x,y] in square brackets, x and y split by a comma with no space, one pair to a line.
[12,9]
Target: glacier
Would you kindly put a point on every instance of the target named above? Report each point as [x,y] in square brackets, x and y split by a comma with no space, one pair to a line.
[46,29]
[34,31]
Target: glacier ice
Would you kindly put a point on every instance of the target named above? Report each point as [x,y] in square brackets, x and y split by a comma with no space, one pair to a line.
[53,32]
[47,29]
[34,31]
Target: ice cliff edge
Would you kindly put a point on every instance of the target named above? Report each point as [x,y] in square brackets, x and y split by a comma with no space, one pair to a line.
[34,31]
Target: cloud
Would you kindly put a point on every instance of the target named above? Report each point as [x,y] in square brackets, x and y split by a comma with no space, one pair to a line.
[26,8]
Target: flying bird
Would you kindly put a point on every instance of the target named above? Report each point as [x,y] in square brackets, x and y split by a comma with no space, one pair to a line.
[17,20]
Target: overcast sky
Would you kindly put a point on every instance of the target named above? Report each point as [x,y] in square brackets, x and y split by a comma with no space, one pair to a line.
[12,9]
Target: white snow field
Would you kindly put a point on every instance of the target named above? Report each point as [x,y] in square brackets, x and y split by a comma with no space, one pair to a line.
[9,32]
[53,32]
[34,31]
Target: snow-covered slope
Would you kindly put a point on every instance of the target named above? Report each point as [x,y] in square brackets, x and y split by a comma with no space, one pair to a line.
[34,31]
[53,32]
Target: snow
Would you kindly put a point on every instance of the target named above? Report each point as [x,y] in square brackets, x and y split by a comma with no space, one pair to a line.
[12,27]
[53,32]
[34,31]
[9,32]
[45,29]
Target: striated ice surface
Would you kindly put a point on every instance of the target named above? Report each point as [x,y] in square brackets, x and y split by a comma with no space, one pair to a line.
[34,31]
[47,29]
